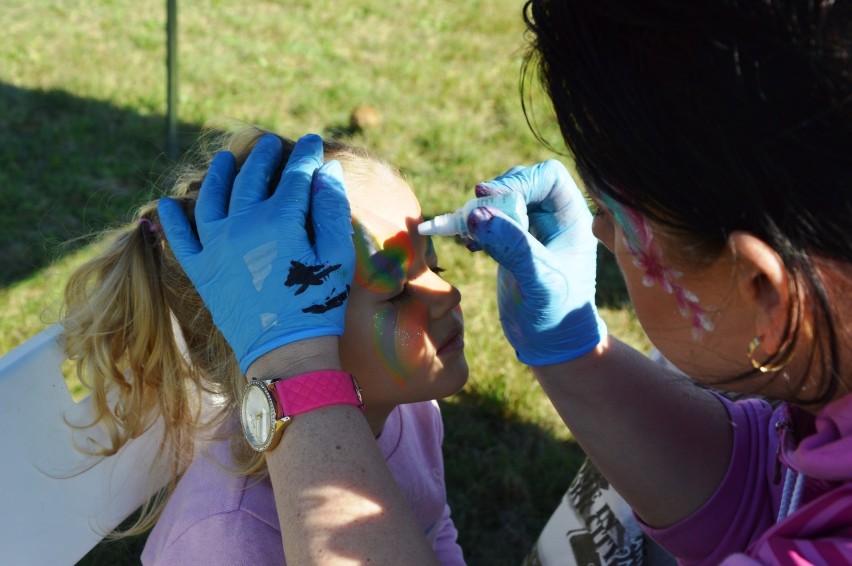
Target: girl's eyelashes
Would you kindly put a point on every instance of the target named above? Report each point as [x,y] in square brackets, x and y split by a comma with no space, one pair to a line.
[406,293]
[402,296]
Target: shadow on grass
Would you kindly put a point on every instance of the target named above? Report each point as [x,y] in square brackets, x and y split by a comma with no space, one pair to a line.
[611,290]
[70,167]
[122,552]
[504,478]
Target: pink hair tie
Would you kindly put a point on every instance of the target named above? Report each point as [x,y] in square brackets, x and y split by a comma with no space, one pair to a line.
[152,227]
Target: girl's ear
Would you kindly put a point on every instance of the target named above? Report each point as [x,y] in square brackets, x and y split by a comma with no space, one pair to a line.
[762,280]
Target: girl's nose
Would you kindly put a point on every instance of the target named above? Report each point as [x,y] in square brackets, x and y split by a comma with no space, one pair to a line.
[439,296]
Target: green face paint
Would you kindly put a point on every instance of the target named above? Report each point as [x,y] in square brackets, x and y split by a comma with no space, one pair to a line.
[398,329]
[381,267]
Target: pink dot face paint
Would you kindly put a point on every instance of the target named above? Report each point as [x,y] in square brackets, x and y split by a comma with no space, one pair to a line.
[647,256]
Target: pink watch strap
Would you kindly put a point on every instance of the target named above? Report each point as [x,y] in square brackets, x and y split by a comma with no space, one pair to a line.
[317,389]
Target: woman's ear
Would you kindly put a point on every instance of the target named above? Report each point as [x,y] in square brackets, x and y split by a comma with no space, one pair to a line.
[762,280]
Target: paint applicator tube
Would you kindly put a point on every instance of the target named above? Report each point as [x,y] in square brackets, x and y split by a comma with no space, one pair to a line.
[452,223]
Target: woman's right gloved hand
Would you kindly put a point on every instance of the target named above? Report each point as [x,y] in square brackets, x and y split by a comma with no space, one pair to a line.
[546,278]
[263,280]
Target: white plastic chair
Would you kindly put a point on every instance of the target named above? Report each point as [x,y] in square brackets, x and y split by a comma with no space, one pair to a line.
[56,503]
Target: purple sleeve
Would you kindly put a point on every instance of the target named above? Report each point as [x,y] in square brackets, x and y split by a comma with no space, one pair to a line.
[446,544]
[236,538]
[743,506]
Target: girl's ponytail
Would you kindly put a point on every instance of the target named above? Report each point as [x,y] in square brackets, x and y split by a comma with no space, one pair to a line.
[144,344]
[118,331]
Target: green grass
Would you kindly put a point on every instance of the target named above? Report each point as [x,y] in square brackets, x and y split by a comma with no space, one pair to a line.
[82,132]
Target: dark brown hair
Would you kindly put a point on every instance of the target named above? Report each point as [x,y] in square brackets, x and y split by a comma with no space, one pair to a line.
[713,116]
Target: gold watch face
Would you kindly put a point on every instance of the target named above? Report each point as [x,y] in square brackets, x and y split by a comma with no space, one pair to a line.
[258,415]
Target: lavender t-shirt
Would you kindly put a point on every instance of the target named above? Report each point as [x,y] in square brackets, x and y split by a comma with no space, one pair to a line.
[214,517]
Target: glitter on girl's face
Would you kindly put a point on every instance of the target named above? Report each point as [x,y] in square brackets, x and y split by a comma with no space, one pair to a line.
[400,311]
[399,340]
[647,256]
[398,330]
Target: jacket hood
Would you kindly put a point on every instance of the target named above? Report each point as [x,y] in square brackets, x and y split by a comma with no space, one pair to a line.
[827,452]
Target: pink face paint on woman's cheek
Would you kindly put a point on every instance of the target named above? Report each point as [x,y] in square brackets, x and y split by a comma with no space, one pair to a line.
[399,340]
[639,238]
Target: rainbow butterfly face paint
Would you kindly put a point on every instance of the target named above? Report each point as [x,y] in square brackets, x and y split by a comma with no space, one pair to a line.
[404,335]
[381,267]
[647,256]
[398,329]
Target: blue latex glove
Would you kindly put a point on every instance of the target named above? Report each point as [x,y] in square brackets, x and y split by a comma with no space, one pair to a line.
[546,278]
[252,262]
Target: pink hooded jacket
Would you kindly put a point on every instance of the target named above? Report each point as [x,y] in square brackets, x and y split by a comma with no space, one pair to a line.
[787,495]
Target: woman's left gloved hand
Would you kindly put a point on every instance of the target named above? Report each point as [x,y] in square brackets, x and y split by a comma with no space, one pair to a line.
[546,279]
[265,283]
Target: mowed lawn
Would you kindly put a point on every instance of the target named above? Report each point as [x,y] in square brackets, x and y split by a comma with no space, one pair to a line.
[82,141]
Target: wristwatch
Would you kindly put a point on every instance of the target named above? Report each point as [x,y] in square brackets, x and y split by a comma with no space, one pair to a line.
[269,405]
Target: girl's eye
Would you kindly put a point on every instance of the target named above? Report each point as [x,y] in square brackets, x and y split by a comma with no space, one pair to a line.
[437,269]
[402,296]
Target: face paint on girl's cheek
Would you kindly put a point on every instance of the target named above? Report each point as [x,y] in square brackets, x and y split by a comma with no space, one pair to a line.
[399,339]
[381,267]
[639,238]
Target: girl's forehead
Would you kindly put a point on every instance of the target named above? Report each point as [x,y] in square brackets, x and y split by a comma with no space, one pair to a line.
[385,206]
[385,217]
[378,221]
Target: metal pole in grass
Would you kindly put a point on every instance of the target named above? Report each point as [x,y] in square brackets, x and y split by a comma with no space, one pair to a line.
[171,69]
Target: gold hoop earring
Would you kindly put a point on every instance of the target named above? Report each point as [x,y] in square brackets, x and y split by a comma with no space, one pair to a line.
[768,368]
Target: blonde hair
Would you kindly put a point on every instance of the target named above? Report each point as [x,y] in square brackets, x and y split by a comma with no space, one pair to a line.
[143,342]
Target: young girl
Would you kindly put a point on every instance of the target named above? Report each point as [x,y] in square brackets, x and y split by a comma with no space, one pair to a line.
[142,336]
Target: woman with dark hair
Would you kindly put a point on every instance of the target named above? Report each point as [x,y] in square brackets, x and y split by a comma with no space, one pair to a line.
[714,139]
